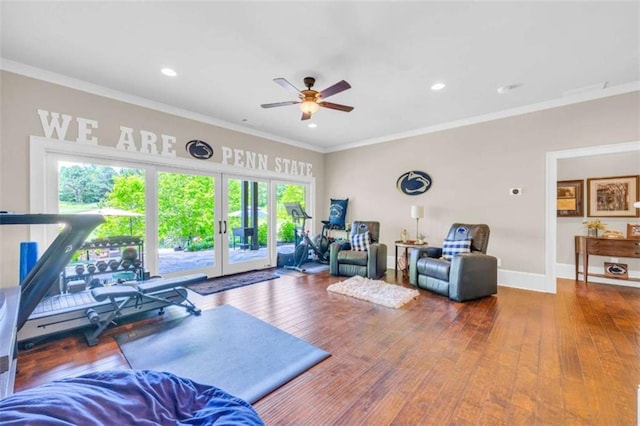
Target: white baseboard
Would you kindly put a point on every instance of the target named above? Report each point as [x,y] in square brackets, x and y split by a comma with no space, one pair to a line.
[515,279]
[522,280]
[535,282]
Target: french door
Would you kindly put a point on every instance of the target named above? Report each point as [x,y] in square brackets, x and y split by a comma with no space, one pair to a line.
[191,220]
[245,224]
[213,228]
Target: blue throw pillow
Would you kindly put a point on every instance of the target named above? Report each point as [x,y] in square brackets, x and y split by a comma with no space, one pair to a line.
[451,248]
[361,242]
[338,212]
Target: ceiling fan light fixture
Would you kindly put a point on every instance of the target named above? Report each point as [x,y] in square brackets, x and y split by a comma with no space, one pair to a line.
[310,100]
[309,107]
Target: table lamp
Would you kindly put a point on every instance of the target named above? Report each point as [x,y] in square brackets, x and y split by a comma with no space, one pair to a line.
[416,213]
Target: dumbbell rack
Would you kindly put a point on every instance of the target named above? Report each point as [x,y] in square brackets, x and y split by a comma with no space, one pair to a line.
[69,273]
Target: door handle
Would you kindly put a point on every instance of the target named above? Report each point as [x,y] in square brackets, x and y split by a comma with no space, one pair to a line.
[225,226]
[220,227]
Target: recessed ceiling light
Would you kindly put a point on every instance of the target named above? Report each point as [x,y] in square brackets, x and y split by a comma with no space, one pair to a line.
[508,88]
[312,125]
[438,86]
[169,72]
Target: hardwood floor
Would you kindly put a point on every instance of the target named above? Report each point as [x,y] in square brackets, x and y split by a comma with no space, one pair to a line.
[519,358]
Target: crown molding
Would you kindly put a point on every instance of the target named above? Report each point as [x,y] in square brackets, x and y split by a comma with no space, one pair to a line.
[52,77]
[555,103]
[73,83]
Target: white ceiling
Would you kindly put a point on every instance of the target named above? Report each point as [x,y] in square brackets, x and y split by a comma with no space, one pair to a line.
[227,53]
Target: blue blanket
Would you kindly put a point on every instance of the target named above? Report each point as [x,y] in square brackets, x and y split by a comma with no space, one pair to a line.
[126,397]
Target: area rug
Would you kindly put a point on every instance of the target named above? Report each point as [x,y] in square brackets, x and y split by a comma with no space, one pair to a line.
[216,285]
[376,291]
[222,347]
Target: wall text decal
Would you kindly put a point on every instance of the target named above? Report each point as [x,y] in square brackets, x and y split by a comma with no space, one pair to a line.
[56,126]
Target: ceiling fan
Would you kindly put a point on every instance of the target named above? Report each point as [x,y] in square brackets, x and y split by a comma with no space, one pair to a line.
[311,100]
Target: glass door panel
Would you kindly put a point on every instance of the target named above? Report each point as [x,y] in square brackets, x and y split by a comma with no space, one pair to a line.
[286,226]
[118,194]
[287,237]
[186,219]
[247,223]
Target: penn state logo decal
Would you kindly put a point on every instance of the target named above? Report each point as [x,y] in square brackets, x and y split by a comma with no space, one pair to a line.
[414,182]
[199,149]
[336,211]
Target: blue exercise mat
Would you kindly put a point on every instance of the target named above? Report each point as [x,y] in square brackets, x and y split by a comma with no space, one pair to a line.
[223,347]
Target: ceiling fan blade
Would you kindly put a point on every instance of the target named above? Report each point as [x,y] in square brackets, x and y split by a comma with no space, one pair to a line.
[339,107]
[284,83]
[279,104]
[336,88]
[305,116]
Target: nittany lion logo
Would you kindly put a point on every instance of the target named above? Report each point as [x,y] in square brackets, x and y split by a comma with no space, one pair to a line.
[336,211]
[199,149]
[414,183]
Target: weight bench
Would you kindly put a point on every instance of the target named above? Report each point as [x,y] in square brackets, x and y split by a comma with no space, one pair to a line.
[134,296]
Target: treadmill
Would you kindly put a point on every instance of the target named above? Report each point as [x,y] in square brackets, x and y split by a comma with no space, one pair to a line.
[41,315]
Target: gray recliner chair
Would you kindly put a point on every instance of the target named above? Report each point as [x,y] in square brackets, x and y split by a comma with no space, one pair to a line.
[345,259]
[465,273]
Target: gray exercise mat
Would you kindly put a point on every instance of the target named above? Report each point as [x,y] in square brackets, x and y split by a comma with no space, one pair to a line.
[223,347]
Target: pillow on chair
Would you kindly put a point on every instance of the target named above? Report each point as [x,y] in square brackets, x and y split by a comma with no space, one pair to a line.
[338,212]
[452,247]
[361,242]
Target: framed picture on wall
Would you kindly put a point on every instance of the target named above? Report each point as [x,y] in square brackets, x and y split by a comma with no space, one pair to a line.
[612,196]
[633,231]
[569,198]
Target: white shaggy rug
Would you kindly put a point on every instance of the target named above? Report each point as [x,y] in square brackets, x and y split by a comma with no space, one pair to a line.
[375,291]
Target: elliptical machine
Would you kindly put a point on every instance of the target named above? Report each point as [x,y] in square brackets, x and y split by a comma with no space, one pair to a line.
[304,245]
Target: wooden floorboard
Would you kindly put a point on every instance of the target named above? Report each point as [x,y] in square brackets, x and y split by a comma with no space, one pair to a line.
[518,358]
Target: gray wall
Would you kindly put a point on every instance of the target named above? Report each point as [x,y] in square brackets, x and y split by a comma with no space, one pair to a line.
[473,168]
